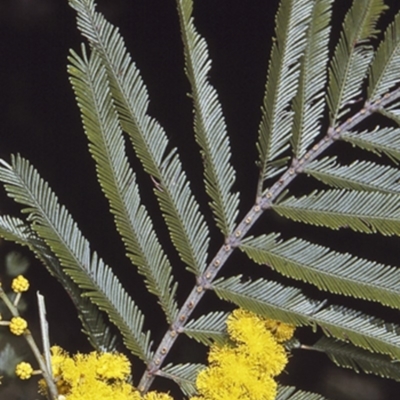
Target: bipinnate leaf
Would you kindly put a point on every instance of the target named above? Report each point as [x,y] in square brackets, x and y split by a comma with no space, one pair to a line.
[367,212]
[353,55]
[184,375]
[209,123]
[346,355]
[208,329]
[379,141]
[385,68]
[117,180]
[53,223]
[309,102]
[359,175]
[186,224]
[93,323]
[289,305]
[292,22]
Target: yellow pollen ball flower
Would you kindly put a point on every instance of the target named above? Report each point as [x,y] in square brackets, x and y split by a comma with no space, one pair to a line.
[246,367]
[113,366]
[23,370]
[20,284]
[95,376]
[18,326]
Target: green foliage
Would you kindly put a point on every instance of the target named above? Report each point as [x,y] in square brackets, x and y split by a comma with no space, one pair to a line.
[348,356]
[55,226]
[329,270]
[208,329]
[292,23]
[294,132]
[184,375]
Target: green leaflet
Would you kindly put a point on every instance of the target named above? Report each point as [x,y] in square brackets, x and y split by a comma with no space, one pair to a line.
[359,175]
[186,224]
[94,325]
[309,102]
[289,305]
[116,178]
[352,56]
[282,83]
[331,271]
[347,356]
[52,222]
[209,124]
[184,375]
[208,329]
[384,72]
[367,212]
[385,140]
[392,113]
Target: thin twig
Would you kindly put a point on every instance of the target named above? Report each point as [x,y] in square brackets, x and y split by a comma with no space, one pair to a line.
[32,344]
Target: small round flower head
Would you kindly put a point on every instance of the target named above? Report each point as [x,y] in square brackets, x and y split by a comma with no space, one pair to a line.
[93,376]
[23,370]
[112,366]
[18,326]
[20,284]
[246,367]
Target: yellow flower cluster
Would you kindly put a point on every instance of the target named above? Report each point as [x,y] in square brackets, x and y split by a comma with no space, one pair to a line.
[24,370]
[245,369]
[95,376]
[20,284]
[18,326]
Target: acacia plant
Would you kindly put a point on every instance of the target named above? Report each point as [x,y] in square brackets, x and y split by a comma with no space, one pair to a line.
[313,98]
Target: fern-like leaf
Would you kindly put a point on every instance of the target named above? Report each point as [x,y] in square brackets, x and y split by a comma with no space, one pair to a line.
[359,175]
[367,212]
[184,375]
[209,123]
[291,393]
[185,222]
[352,55]
[55,226]
[15,230]
[346,355]
[93,322]
[335,272]
[286,304]
[380,141]
[289,305]
[208,329]
[282,83]
[309,103]
[385,68]
[117,180]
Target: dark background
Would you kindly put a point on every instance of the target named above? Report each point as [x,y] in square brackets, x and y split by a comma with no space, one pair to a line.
[40,120]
